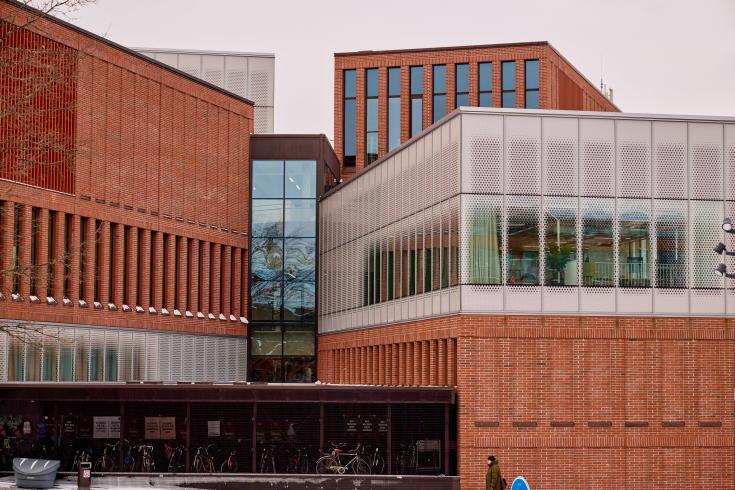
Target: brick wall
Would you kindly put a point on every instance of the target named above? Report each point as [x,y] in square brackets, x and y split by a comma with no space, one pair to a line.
[561,85]
[569,402]
[159,158]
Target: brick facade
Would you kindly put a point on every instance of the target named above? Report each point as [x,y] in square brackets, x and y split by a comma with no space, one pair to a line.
[569,402]
[561,86]
[158,158]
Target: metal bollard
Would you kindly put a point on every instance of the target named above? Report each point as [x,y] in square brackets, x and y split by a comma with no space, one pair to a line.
[84,476]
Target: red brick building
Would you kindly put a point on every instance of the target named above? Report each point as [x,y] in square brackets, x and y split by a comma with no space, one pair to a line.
[124,204]
[558,85]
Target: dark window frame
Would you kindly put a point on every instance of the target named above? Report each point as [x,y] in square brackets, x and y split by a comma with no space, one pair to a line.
[503,90]
[416,96]
[525,83]
[480,91]
[392,97]
[368,157]
[457,93]
[348,160]
[435,93]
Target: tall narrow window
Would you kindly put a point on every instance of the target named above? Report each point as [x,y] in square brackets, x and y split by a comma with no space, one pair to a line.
[598,258]
[350,117]
[671,244]
[16,247]
[485,84]
[523,242]
[439,103]
[394,108]
[371,115]
[531,79]
[33,271]
[66,253]
[50,252]
[508,74]
[164,272]
[83,227]
[462,85]
[561,242]
[125,250]
[417,100]
[634,255]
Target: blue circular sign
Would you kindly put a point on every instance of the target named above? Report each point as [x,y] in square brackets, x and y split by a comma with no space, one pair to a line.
[520,483]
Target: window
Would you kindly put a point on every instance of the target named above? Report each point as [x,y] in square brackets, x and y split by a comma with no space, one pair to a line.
[371,115]
[561,243]
[532,84]
[485,240]
[523,243]
[394,108]
[633,248]
[598,260]
[350,117]
[485,85]
[462,84]
[508,74]
[671,244]
[439,104]
[417,100]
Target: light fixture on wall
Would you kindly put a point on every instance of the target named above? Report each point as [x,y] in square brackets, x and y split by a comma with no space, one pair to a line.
[720,249]
[727,225]
[721,270]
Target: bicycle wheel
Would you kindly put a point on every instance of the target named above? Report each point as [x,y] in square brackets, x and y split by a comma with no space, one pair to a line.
[378,465]
[304,465]
[360,467]
[325,465]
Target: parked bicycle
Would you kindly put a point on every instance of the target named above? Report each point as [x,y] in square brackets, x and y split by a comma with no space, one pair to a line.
[176,461]
[406,459]
[81,456]
[230,464]
[335,461]
[375,460]
[106,462]
[204,460]
[298,461]
[146,463]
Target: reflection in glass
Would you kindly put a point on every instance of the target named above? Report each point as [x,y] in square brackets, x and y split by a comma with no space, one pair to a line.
[301,178]
[267,217]
[523,244]
[266,300]
[267,369]
[508,75]
[299,301]
[49,363]
[633,247]
[371,130]
[484,246]
[440,107]
[671,244]
[394,122]
[267,178]
[300,217]
[532,84]
[266,259]
[463,100]
[417,80]
[298,341]
[417,104]
[485,85]
[561,244]
[299,370]
[350,85]
[462,84]
[266,341]
[598,260]
[440,90]
[300,262]
[350,117]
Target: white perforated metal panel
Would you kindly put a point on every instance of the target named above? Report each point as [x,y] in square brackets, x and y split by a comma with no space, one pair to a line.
[705,232]
[522,155]
[482,154]
[705,161]
[670,160]
[213,70]
[597,171]
[729,151]
[560,156]
[633,140]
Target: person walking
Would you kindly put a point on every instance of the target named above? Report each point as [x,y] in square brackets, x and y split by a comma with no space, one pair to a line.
[493,480]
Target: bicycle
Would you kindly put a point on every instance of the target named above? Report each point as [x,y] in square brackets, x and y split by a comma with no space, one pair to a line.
[267,461]
[230,464]
[376,462]
[147,464]
[203,461]
[176,460]
[106,462]
[81,456]
[332,463]
[298,461]
[406,459]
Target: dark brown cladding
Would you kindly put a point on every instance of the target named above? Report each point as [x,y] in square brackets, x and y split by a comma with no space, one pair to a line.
[561,86]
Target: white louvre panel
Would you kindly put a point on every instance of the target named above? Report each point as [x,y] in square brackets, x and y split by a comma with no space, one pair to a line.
[113,359]
[201,361]
[126,356]
[191,64]
[558,297]
[164,357]
[670,160]
[730,160]
[596,159]
[261,81]
[672,263]
[519,297]
[236,75]
[482,154]
[522,155]
[450,166]
[706,219]
[3,357]
[436,167]
[560,156]
[50,352]
[634,158]
[97,355]
[213,70]
[210,354]
[152,357]
[705,161]
[240,364]
[634,273]
[221,359]
[81,354]
[597,276]
[176,356]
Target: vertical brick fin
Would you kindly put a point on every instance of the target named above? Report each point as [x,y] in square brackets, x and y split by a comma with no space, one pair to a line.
[216,273]
[157,293]
[7,220]
[145,271]
[194,275]
[118,263]
[90,259]
[59,259]
[103,262]
[41,260]
[226,281]
[205,276]
[131,258]
[73,256]
[24,250]
[183,262]
[237,283]
[38,86]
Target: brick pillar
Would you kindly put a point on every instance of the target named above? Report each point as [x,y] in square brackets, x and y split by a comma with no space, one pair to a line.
[237,281]
[74,258]
[497,84]
[520,83]
[425,365]
[215,306]
[118,258]
[433,362]
[183,262]
[405,103]
[145,273]
[452,362]
[409,363]
[90,257]
[417,366]
[428,94]
[24,250]
[205,259]
[369,362]
[7,225]
[381,364]
[132,267]
[157,259]
[401,364]
[451,87]
[474,84]
[245,282]
[442,379]
[194,275]
[227,281]
[41,259]
[388,364]
[170,281]
[103,289]
[58,269]
[382,110]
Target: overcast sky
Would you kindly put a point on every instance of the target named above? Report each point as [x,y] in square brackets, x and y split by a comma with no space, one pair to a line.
[659,56]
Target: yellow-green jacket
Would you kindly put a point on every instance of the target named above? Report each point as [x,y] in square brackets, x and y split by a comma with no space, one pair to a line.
[492,478]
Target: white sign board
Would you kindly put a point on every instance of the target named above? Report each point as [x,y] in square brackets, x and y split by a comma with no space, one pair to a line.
[213,428]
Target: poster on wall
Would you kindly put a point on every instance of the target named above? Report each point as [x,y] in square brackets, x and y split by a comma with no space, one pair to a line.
[213,428]
[383,426]
[351,425]
[152,428]
[168,427]
[101,427]
[367,425]
[84,427]
[70,426]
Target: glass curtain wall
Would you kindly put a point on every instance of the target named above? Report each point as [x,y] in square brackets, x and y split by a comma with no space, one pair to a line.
[634,254]
[531,84]
[462,85]
[561,242]
[283,265]
[508,75]
[671,244]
